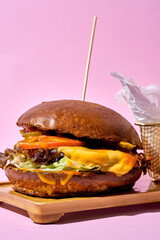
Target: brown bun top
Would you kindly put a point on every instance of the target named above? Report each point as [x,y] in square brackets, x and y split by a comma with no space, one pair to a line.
[82,119]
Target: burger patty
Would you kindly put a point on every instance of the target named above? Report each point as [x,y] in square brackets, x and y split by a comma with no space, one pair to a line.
[85,183]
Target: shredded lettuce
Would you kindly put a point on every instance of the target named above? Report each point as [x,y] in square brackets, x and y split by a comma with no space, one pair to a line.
[64,164]
[67,164]
[28,165]
[78,159]
[17,159]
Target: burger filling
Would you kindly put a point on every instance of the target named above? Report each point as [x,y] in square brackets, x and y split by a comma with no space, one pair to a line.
[42,153]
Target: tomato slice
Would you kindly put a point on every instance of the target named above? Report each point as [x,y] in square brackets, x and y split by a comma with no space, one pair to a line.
[44,141]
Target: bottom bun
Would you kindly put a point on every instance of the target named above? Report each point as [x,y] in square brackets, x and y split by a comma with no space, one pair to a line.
[49,184]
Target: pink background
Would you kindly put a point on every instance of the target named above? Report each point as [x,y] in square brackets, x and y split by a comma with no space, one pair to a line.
[43,52]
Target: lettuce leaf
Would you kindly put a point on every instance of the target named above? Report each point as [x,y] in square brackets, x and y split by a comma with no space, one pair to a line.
[64,164]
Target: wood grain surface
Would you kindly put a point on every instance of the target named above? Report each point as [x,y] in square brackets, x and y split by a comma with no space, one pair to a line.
[49,210]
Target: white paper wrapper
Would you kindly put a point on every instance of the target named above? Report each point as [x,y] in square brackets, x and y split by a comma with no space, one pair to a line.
[143,101]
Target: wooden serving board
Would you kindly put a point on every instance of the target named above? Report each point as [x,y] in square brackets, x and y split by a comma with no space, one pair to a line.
[48,210]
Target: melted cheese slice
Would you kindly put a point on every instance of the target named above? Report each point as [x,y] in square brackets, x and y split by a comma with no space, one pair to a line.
[114,161]
[63,179]
[46,179]
[127,145]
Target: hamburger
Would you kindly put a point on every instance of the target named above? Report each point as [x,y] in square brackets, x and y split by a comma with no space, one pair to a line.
[73,148]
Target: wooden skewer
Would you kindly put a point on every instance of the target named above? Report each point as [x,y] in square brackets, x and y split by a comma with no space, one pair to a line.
[89,57]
